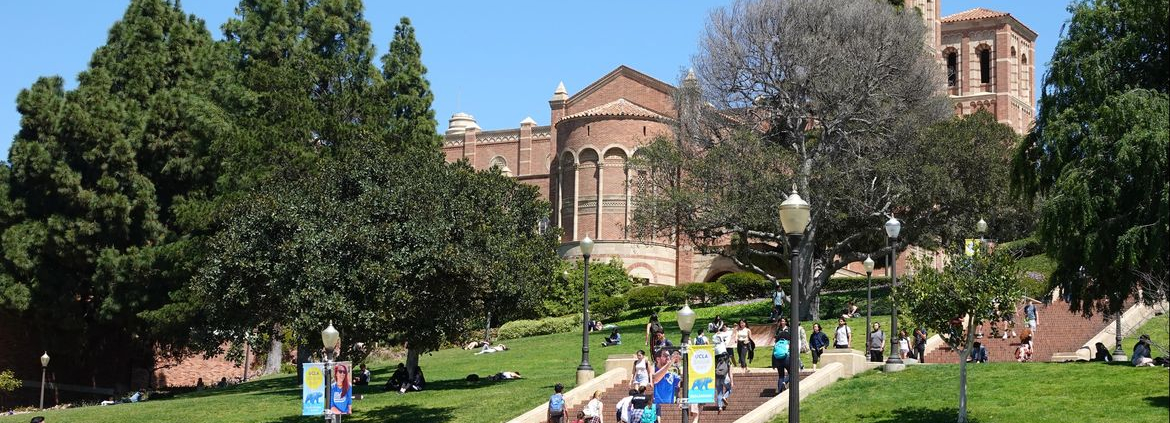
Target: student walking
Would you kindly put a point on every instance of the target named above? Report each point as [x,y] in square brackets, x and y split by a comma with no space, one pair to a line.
[818,341]
[876,343]
[843,335]
[556,405]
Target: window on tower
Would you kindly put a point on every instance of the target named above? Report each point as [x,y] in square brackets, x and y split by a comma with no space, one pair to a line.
[952,68]
[985,66]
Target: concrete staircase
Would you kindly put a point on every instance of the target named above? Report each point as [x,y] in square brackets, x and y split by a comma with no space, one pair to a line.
[1059,330]
[751,390]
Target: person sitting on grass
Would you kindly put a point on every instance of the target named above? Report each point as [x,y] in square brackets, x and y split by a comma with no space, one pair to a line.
[850,311]
[398,379]
[1103,353]
[1141,352]
[1024,351]
[614,338]
[362,377]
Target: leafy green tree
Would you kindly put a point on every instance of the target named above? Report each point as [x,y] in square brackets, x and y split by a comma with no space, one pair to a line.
[1096,158]
[405,96]
[954,300]
[606,279]
[98,179]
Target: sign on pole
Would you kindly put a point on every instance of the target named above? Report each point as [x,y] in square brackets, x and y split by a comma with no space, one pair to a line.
[701,374]
[970,246]
[341,391]
[313,389]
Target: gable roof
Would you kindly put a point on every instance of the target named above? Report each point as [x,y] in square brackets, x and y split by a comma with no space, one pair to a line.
[617,108]
[627,72]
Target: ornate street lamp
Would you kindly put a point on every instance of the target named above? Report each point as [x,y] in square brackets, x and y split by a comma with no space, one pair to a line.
[45,366]
[794,217]
[331,339]
[584,370]
[686,322]
[893,229]
[868,263]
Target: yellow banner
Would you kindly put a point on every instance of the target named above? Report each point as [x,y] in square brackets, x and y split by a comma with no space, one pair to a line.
[701,374]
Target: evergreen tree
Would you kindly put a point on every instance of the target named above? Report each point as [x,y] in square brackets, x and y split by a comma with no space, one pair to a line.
[1097,156]
[405,96]
[97,177]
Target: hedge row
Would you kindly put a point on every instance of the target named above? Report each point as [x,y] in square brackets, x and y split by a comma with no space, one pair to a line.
[548,325]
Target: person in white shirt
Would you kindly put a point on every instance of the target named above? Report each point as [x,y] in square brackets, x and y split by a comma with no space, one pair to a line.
[623,406]
[594,408]
[844,336]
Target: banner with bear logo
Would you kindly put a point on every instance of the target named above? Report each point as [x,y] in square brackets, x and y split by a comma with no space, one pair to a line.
[313,390]
[701,374]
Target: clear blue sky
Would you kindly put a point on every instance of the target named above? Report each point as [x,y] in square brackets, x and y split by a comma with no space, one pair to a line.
[498,61]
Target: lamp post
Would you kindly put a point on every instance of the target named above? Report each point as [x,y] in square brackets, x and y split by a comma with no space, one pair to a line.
[794,217]
[981,228]
[45,366]
[330,338]
[894,361]
[686,322]
[1118,353]
[584,370]
[868,263]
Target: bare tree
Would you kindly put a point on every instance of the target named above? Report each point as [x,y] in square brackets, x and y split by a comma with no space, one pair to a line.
[826,97]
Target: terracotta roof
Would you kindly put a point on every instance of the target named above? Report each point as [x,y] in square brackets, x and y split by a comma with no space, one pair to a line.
[619,107]
[976,13]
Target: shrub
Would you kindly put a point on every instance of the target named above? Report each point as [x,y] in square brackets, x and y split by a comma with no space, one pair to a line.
[716,292]
[288,368]
[746,285]
[1024,247]
[608,307]
[675,296]
[606,279]
[647,296]
[524,328]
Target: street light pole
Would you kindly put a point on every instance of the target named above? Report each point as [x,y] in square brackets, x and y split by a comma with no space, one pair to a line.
[794,217]
[894,361]
[1119,352]
[868,263]
[45,366]
[584,370]
[330,338]
[686,321]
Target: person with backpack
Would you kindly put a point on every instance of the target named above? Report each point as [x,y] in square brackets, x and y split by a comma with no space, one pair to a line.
[876,343]
[556,405]
[777,303]
[622,408]
[638,403]
[843,335]
[722,381]
[780,353]
[652,328]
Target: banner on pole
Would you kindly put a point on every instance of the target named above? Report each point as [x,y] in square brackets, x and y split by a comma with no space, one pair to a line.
[701,374]
[970,246]
[313,389]
[341,390]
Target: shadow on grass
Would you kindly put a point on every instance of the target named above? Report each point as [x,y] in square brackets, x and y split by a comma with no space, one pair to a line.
[916,415]
[1162,401]
[390,413]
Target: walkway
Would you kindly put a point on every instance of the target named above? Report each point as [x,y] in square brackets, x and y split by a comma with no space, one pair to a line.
[1059,331]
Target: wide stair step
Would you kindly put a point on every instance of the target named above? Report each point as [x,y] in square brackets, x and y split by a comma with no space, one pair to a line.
[1059,331]
[750,391]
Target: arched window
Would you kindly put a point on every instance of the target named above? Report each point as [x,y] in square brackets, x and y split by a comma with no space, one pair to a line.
[984,64]
[952,67]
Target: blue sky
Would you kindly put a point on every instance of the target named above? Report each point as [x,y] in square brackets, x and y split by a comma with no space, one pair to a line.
[499,61]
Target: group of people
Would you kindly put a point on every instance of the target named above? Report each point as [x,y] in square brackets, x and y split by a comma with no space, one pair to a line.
[655,383]
[402,381]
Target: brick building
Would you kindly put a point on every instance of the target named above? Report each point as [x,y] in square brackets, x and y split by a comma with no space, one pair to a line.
[579,161]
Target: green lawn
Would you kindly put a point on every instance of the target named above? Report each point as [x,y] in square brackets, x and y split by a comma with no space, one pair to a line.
[543,360]
[998,392]
[1159,330]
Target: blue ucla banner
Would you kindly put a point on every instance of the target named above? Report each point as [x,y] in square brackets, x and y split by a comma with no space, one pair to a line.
[313,390]
[701,374]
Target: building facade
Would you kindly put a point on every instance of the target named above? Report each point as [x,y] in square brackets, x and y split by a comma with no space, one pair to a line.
[579,161]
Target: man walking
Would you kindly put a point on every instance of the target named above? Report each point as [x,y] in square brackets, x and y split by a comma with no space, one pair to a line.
[876,343]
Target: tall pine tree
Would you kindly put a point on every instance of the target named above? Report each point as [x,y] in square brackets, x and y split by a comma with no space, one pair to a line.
[404,96]
[97,175]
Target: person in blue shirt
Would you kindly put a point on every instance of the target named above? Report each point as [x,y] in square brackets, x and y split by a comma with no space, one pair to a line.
[614,338]
[341,389]
[666,383]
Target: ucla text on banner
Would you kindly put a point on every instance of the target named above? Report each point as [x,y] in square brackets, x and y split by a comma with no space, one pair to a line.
[701,374]
[313,390]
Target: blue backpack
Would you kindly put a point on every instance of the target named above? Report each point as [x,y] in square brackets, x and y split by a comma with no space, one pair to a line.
[650,414]
[556,403]
[780,350]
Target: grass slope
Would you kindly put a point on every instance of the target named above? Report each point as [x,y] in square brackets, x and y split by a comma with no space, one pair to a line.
[997,392]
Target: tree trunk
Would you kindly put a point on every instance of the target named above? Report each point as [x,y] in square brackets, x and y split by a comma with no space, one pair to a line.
[275,351]
[411,361]
[304,355]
